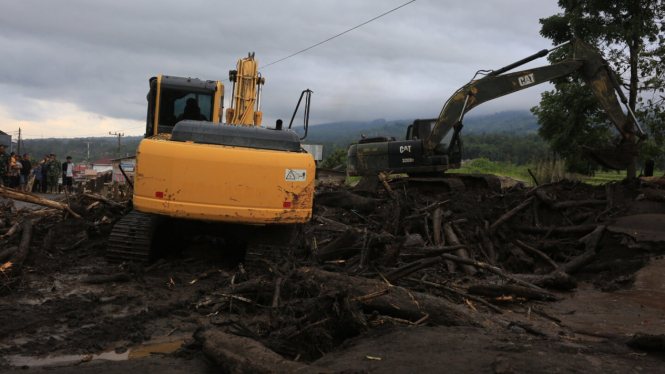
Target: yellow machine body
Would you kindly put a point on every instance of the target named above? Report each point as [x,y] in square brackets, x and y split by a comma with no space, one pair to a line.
[222,183]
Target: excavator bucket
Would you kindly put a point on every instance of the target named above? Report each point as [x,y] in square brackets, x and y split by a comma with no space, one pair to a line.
[617,157]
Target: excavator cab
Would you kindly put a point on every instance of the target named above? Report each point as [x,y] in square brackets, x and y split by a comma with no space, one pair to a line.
[173,99]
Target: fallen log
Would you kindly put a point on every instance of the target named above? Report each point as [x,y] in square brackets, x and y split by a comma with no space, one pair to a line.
[539,253]
[112,204]
[433,251]
[557,280]
[412,268]
[99,279]
[19,257]
[493,269]
[12,230]
[556,230]
[511,214]
[5,254]
[460,293]
[345,200]
[452,239]
[591,242]
[241,355]
[344,241]
[5,192]
[496,290]
[398,302]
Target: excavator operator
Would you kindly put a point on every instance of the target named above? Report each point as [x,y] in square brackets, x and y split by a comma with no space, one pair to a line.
[192,111]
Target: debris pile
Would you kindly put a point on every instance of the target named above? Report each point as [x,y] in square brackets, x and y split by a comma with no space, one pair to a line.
[385,252]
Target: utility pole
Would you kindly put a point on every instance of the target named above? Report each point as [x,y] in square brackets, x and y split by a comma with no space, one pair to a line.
[119,135]
[18,151]
[87,160]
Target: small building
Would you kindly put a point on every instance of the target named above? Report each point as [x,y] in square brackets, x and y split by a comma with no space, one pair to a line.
[127,163]
[102,165]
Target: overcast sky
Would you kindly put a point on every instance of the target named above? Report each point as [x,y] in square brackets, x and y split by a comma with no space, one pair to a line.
[80,68]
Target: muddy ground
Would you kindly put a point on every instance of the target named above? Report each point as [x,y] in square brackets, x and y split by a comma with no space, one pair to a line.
[51,321]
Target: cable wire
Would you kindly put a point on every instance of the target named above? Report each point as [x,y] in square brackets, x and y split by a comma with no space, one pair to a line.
[340,34]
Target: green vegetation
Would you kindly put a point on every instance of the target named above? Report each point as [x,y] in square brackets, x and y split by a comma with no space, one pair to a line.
[631,35]
[78,149]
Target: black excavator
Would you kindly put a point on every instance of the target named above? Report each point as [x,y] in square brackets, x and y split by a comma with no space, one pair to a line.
[425,158]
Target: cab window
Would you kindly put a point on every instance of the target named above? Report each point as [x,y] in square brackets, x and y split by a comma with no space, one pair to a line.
[177,105]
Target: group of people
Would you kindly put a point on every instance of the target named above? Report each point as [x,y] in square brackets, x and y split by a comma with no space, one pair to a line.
[16,172]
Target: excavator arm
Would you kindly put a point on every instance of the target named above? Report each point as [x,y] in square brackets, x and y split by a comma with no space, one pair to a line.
[586,60]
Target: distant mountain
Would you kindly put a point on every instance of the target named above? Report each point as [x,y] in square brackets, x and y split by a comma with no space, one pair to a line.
[341,134]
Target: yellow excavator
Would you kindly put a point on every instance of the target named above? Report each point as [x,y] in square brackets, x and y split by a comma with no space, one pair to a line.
[425,157]
[192,168]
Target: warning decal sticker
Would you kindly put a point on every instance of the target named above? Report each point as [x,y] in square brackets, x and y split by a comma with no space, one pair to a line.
[295,175]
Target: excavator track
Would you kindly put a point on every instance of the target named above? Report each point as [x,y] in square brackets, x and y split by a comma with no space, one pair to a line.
[131,238]
[436,184]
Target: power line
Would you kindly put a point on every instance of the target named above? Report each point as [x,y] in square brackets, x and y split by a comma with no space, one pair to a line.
[340,34]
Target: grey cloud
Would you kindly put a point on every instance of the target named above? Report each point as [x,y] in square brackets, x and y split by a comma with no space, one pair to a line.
[99,55]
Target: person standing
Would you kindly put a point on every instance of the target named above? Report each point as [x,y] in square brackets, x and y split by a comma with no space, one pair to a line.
[37,174]
[68,174]
[45,163]
[16,172]
[4,167]
[24,177]
[54,171]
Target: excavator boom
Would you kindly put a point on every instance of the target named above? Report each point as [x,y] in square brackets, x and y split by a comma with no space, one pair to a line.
[586,60]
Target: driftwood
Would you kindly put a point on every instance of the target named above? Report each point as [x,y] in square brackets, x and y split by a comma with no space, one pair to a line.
[460,293]
[393,253]
[557,280]
[112,204]
[412,267]
[12,230]
[339,248]
[5,254]
[647,342]
[241,355]
[539,253]
[98,279]
[155,265]
[19,257]
[452,239]
[495,291]
[591,242]
[398,302]
[5,192]
[346,200]
[493,269]
[557,230]
[511,214]
[383,177]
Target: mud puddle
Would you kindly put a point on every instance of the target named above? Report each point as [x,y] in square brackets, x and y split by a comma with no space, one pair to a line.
[158,346]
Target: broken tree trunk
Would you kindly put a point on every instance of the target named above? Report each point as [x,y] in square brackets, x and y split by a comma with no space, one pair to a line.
[591,241]
[18,258]
[5,254]
[495,291]
[539,253]
[452,239]
[556,230]
[339,247]
[241,355]
[346,200]
[511,214]
[557,280]
[5,192]
[397,302]
[98,279]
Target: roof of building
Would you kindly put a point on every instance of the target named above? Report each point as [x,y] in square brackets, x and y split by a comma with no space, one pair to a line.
[124,158]
[103,161]
[80,168]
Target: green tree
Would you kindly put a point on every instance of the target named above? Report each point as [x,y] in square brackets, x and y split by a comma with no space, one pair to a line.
[336,158]
[631,35]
